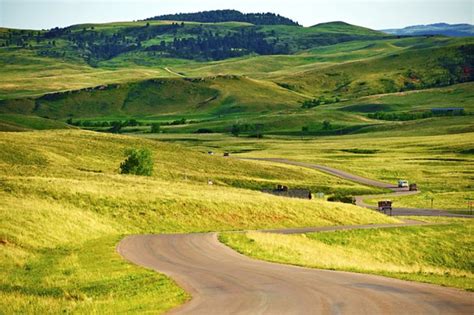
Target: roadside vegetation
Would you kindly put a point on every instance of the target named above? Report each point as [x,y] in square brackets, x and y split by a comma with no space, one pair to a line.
[65,206]
[439,254]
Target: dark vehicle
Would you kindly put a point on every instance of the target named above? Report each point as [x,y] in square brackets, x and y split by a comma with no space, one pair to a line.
[413,187]
[384,206]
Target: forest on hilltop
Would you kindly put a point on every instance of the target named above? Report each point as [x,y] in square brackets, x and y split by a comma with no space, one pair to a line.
[217,16]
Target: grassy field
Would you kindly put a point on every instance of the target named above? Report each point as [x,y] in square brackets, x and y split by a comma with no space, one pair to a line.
[15,122]
[440,164]
[64,207]
[41,67]
[439,254]
[355,68]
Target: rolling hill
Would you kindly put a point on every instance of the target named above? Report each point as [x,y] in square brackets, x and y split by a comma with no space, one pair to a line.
[64,207]
[457,30]
[217,16]
[220,69]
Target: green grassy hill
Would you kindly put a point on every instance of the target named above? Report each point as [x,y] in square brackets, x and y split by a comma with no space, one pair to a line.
[64,207]
[422,66]
[93,43]
[15,122]
[178,96]
[263,89]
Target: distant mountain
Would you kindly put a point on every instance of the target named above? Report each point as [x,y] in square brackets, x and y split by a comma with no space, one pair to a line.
[217,16]
[455,30]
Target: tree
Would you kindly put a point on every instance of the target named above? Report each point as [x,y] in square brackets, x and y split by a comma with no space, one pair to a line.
[155,128]
[258,131]
[235,130]
[116,127]
[327,125]
[137,162]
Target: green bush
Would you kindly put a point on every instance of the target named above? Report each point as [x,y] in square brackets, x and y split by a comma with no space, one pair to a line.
[138,162]
[338,197]
[155,128]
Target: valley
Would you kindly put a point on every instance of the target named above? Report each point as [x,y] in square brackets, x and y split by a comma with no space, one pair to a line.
[218,99]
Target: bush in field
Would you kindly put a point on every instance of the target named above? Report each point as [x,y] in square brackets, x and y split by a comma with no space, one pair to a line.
[327,125]
[138,162]
[155,128]
[338,197]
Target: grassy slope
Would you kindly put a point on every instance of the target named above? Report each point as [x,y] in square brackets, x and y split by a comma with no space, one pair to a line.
[440,164]
[439,254]
[347,117]
[65,207]
[15,122]
[223,101]
[420,66]
[459,95]
[176,96]
[26,74]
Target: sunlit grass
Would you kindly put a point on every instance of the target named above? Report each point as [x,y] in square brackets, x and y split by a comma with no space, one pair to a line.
[65,206]
[439,254]
[440,164]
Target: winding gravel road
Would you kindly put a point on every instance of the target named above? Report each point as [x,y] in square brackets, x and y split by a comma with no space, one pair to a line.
[222,281]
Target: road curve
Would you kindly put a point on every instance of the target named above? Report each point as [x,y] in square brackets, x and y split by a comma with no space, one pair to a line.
[221,281]
[359,200]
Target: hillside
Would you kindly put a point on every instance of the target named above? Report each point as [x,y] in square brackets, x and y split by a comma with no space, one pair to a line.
[218,16]
[181,76]
[15,122]
[177,96]
[456,30]
[64,207]
[427,64]
[337,76]
[93,43]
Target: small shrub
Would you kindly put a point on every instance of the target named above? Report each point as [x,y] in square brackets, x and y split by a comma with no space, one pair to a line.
[155,128]
[327,125]
[360,151]
[338,197]
[138,162]
[204,130]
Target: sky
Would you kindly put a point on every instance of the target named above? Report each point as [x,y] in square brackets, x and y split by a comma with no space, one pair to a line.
[375,14]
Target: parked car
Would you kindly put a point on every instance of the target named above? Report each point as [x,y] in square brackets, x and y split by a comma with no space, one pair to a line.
[403,183]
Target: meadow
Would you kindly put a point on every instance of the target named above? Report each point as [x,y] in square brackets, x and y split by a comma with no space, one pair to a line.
[440,253]
[355,68]
[65,207]
[441,165]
